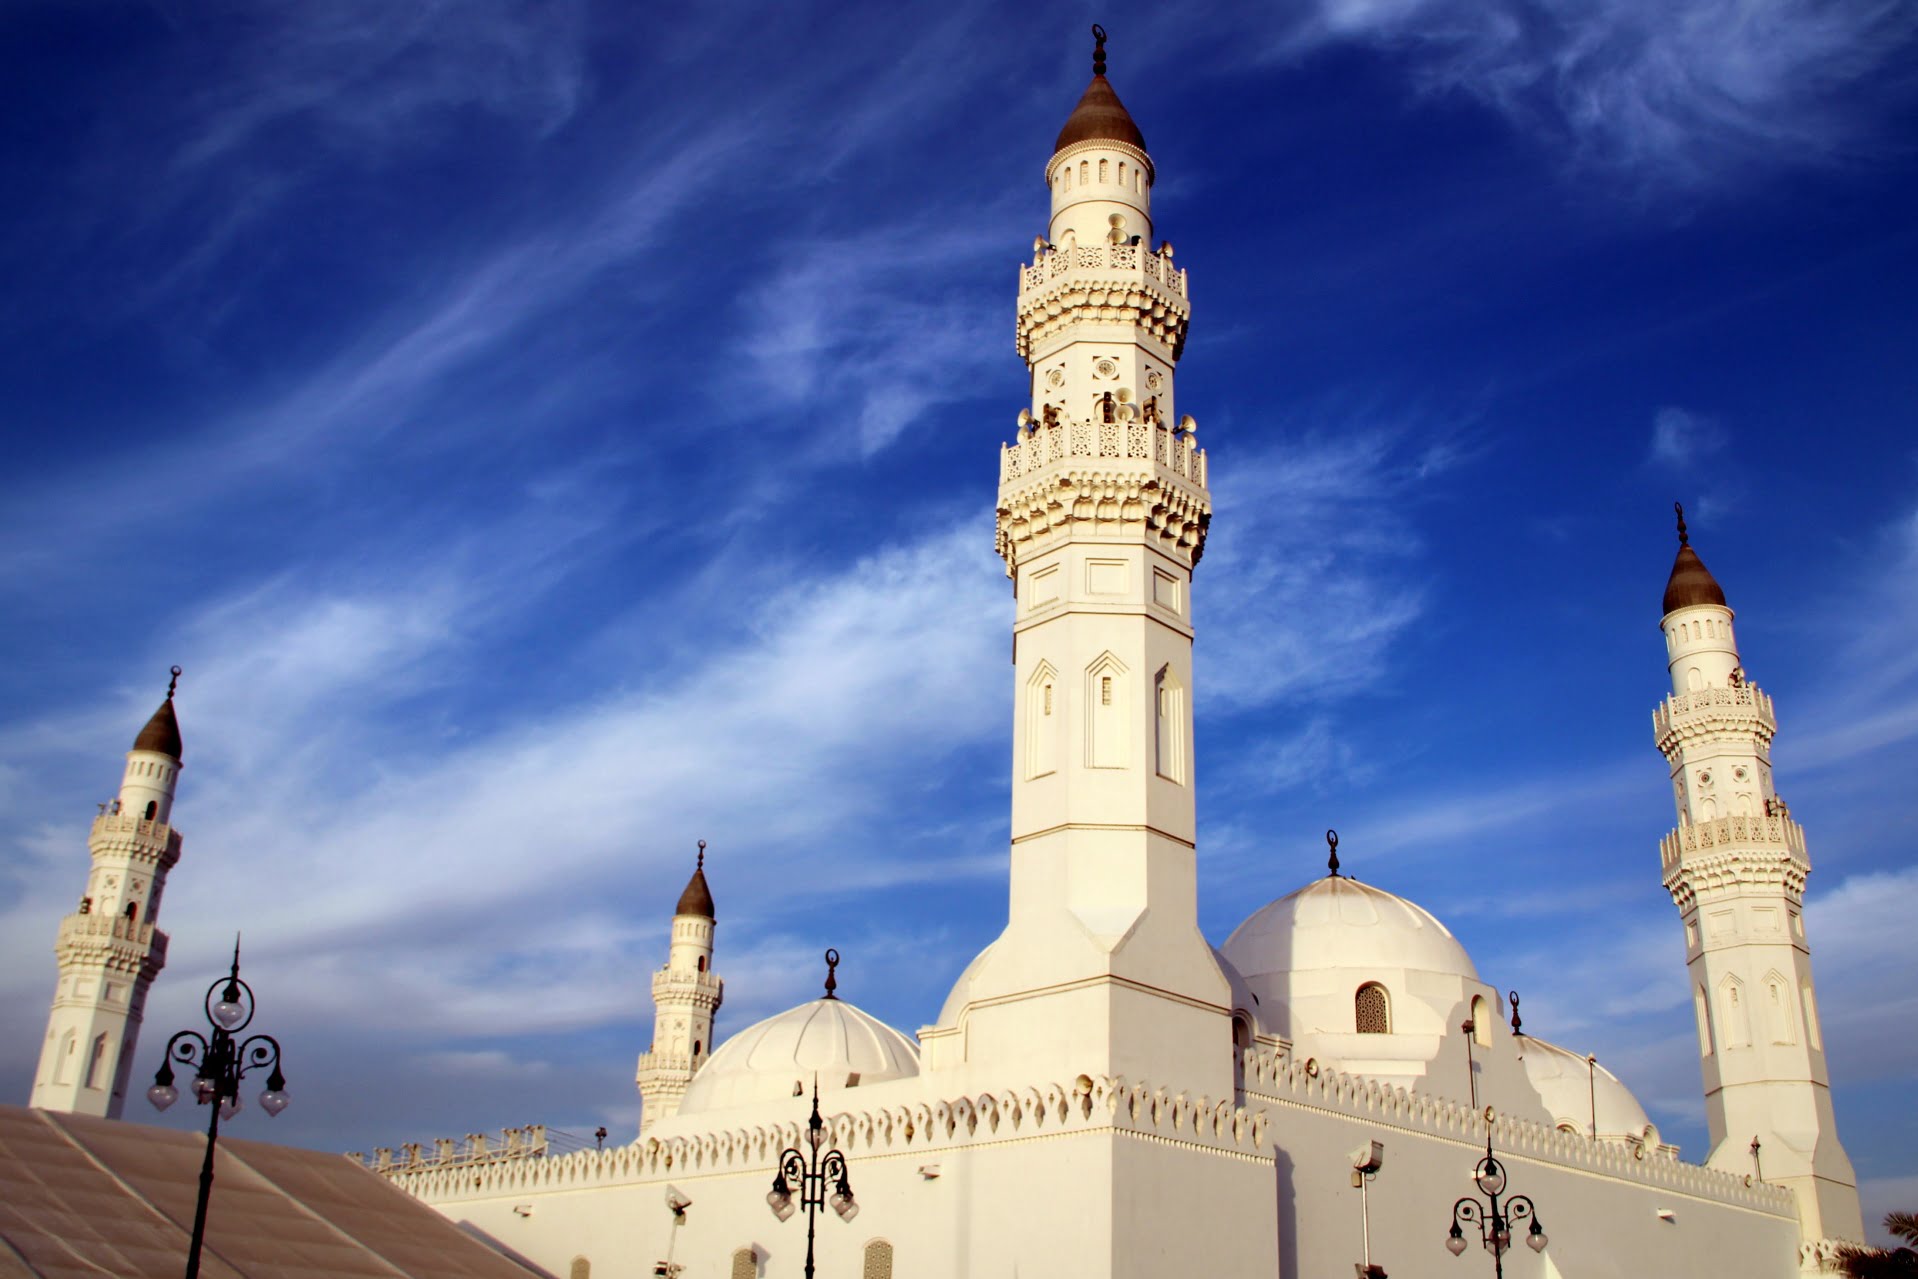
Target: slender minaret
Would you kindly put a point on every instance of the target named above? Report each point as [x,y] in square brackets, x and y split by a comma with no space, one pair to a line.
[686,995]
[109,949]
[1736,869]
[1102,515]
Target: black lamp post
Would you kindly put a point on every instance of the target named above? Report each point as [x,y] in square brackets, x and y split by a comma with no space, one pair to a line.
[1494,1219]
[812,1170]
[219,1063]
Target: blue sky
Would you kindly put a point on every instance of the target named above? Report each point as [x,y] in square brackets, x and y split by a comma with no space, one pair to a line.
[552,434]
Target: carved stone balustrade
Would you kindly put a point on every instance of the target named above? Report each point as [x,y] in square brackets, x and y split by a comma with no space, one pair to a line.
[1116,282]
[1744,708]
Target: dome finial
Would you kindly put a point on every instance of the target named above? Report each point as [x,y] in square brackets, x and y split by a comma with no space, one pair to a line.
[1332,847]
[173,683]
[1684,538]
[1516,1023]
[832,962]
[1098,49]
[701,865]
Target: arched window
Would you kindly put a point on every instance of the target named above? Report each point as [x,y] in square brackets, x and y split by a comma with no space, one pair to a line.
[879,1256]
[581,1269]
[1704,1010]
[153,808]
[696,1048]
[96,1063]
[702,963]
[1737,1021]
[1104,171]
[1170,711]
[1106,737]
[1042,728]
[1481,1020]
[1778,1009]
[63,1059]
[1811,1017]
[133,913]
[1373,1012]
[745,1264]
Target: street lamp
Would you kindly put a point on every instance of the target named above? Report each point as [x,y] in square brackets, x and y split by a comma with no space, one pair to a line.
[1494,1221]
[815,1167]
[219,1063]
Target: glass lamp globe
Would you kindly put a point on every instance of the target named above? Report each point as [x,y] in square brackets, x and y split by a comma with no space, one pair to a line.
[842,1203]
[1491,1177]
[1536,1240]
[274,1100]
[1456,1244]
[229,1106]
[163,1095]
[229,1013]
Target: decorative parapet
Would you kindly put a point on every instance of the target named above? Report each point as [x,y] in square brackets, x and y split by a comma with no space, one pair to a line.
[1283,1081]
[1086,1105]
[1109,476]
[112,941]
[475,1150]
[694,988]
[1706,710]
[1040,446]
[1702,859]
[1110,282]
[142,839]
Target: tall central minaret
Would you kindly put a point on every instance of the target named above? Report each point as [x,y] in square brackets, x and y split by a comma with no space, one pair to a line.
[1102,516]
[109,949]
[1736,868]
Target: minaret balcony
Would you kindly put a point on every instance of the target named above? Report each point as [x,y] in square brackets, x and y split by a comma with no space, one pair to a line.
[107,938]
[1704,711]
[1131,445]
[1712,849]
[1113,283]
[126,832]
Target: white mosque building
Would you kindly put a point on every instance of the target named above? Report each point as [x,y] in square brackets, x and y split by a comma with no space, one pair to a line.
[1105,1092]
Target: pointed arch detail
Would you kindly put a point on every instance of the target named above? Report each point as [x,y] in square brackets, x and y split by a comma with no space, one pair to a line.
[1171,738]
[1043,716]
[1107,739]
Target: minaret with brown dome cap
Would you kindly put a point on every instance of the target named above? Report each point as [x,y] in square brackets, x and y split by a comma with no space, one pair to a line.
[1102,516]
[686,997]
[1736,868]
[109,949]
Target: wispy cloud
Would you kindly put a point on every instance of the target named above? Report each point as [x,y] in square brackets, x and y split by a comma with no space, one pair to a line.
[1313,540]
[1681,439]
[1669,91]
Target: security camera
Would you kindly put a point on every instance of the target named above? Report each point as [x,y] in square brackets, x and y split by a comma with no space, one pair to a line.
[1369,1158]
[677,1201]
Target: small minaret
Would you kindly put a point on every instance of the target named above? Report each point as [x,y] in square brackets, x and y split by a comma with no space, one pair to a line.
[686,995]
[109,950]
[1736,868]
[1102,515]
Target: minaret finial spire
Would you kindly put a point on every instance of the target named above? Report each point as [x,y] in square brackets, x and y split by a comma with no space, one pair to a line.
[1684,538]
[173,683]
[702,856]
[832,983]
[1098,50]
[1332,849]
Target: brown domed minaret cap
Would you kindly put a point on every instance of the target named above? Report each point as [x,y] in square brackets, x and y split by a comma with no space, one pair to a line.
[1691,582]
[162,732]
[697,899]
[1100,116]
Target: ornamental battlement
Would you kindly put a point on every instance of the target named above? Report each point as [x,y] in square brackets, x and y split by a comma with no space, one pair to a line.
[113,941]
[128,833]
[1285,1081]
[1703,710]
[1119,283]
[1042,444]
[477,1148]
[1771,834]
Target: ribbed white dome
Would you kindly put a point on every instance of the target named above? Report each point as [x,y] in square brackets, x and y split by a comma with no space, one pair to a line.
[829,1037]
[1568,1087]
[1337,922]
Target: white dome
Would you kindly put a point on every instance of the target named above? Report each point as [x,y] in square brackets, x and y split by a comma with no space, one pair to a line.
[827,1037]
[1568,1087]
[1337,922]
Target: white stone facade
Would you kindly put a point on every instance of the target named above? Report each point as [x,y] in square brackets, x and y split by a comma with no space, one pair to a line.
[1103,1093]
